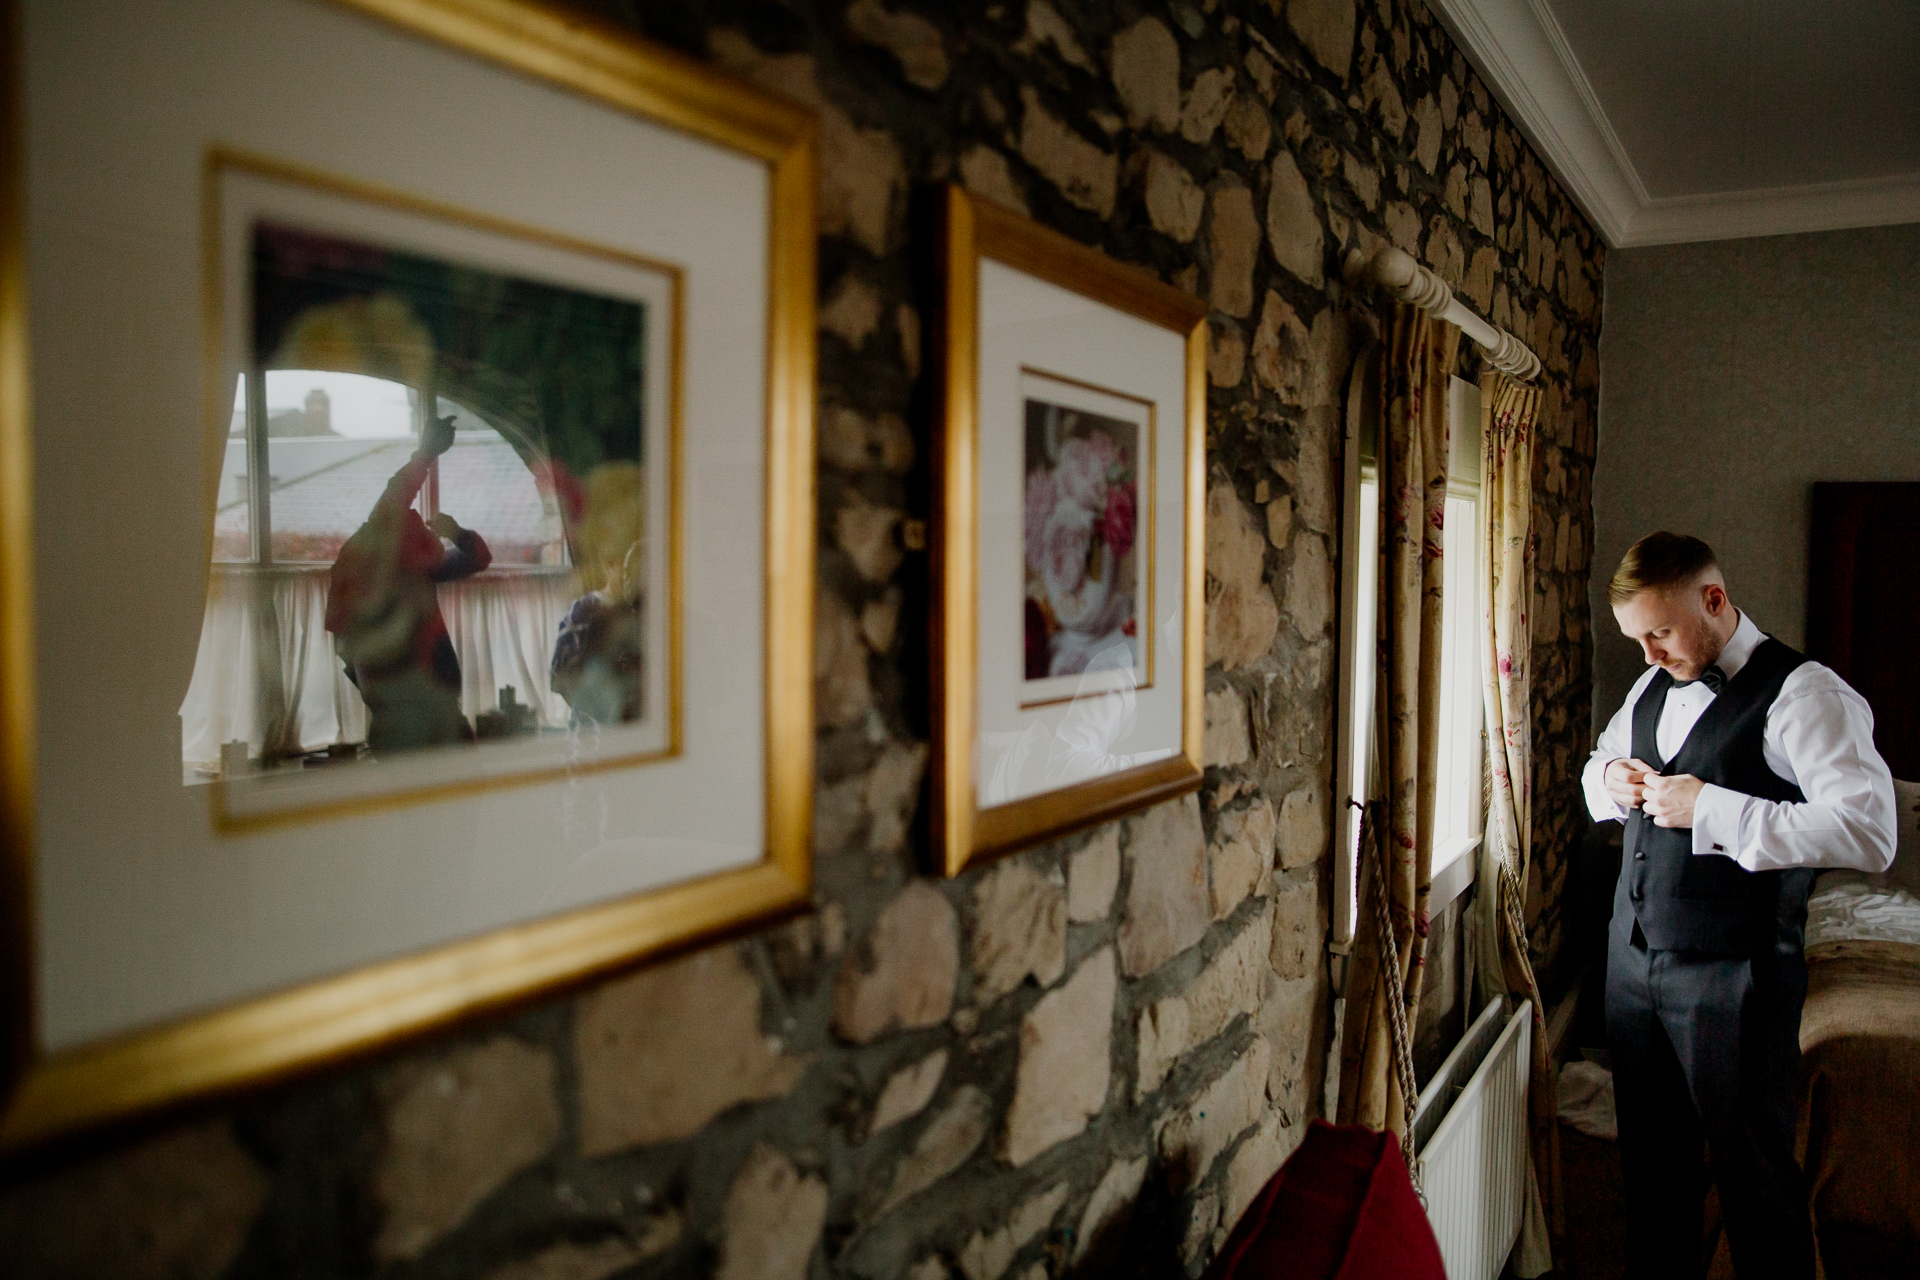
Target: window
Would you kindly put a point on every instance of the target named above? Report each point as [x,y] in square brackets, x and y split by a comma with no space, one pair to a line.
[1459,805]
[309,454]
[1459,802]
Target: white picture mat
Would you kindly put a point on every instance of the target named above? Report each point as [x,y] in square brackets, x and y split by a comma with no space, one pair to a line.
[143,913]
[1026,321]
[249,199]
[1039,385]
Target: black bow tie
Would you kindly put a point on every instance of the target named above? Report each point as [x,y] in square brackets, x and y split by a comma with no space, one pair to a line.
[1713,677]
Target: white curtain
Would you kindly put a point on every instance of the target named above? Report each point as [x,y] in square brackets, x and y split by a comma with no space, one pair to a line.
[223,702]
[503,629]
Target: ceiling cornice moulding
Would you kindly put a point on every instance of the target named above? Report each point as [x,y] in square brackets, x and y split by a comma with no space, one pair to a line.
[1519,48]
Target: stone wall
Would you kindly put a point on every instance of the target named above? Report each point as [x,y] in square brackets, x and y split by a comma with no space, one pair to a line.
[1084,1059]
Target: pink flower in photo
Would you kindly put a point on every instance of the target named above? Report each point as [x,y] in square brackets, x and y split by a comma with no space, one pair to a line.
[1063,554]
[1041,495]
[1116,522]
[1085,462]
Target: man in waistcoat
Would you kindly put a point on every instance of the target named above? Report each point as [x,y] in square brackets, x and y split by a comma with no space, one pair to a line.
[1740,768]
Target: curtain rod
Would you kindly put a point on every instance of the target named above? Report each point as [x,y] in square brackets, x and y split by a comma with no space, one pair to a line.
[1395,271]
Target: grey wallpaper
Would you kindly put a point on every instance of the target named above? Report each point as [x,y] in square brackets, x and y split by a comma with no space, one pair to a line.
[1733,375]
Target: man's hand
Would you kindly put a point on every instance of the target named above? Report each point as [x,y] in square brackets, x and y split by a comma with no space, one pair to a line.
[446,526]
[1670,800]
[1626,782]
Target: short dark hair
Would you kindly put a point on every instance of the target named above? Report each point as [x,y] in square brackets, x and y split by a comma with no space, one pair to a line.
[1659,560]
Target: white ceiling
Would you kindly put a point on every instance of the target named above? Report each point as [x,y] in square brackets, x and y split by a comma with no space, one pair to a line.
[1672,120]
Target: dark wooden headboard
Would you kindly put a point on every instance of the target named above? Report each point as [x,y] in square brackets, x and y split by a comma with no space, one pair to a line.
[1863,605]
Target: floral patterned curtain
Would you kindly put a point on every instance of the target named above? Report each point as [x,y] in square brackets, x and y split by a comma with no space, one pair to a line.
[1418,356]
[1508,413]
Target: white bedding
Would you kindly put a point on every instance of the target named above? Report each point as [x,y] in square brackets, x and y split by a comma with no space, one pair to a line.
[1854,907]
[1851,906]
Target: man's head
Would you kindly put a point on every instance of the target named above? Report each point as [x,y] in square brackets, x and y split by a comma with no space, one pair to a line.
[1669,598]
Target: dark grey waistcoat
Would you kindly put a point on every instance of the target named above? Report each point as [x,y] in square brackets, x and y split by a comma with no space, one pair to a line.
[1708,903]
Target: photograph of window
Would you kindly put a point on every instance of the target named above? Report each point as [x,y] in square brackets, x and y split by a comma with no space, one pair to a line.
[441,521]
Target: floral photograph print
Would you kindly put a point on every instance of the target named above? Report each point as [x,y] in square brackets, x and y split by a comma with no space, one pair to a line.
[1085,589]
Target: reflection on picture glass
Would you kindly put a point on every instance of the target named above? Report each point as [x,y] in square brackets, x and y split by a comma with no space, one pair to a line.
[1082,575]
[429,527]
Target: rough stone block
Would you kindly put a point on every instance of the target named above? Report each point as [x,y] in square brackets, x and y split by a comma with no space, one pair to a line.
[866,533]
[1064,1061]
[852,311]
[1280,350]
[1303,833]
[1299,929]
[1231,985]
[1248,130]
[173,1207]
[1227,742]
[984,172]
[988,1255]
[1293,223]
[773,1217]
[1085,174]
[892,793]
[1310,587]
[1208,102]
[911,39]
[664,1051]
[1242,617]
[1241,855]
[1019,928]
[1168,907]
[456,1130]
[1174,200]
[1226,354]
[1146,72]
[1046,26]
[912,963]
[1118,1188]
[1287,1017]
[943,1146]
[1233,236]
[1225,1109]
[1093,875]
[842,690]
[1255,1163]
[1326,28]
[908,1091]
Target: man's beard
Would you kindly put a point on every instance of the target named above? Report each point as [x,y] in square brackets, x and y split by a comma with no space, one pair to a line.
[1707,644]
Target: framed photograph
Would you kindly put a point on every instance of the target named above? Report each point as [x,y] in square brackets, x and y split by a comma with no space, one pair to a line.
[407,576]
[1068,536]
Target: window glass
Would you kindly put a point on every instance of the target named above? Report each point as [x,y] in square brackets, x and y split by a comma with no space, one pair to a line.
[233,509]
[1366,592]
[1457,789]
[333,440]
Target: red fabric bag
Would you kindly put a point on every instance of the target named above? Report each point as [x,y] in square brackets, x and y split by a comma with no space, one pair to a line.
[1341,1208]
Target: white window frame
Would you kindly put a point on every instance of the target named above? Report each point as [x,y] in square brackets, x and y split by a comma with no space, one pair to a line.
[1454,861]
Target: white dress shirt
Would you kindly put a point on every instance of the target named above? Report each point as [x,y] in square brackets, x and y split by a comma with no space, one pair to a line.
[1819,736]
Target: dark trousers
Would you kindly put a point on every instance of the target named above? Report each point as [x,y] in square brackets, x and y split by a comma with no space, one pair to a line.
[1706,1053]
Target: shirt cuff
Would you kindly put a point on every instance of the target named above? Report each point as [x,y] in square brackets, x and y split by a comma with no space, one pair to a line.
[1602,806]
[1716,821]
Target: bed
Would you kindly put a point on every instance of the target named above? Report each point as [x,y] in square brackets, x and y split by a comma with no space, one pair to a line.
[1860,1037]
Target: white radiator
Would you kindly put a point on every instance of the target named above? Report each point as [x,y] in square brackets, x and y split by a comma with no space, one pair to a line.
[1470,1139]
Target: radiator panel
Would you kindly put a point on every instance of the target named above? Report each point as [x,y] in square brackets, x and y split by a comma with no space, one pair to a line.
[1473,1167]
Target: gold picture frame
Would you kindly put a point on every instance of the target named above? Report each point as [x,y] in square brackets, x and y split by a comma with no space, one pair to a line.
[974,232]
[45,1095]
